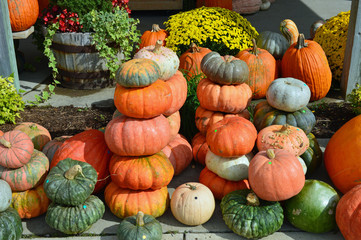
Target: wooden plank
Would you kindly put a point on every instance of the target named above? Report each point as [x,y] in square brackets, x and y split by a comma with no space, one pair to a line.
[156,5]
[7,51]
[351,73]
[23,34]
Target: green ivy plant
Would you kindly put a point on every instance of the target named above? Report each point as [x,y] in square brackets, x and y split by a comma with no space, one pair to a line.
[11,102]
[355,99]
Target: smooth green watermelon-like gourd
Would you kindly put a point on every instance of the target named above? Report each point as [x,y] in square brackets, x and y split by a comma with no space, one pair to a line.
[75,219]
[313,155]
[70,182]
[248,216]
[140,226]
[314,208]
[11,226]
[266,115]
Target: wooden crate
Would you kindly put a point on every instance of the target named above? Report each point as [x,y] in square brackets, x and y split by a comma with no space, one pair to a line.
[156,4]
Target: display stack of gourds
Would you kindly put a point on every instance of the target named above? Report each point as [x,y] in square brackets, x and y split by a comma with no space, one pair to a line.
[144,134]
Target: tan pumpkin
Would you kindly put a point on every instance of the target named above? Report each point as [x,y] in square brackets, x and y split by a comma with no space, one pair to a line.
[246,6]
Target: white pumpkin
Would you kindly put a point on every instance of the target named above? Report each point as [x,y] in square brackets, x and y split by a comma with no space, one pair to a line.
[229,168]
[304,166]
[166,58]
[288,94]
[5,195]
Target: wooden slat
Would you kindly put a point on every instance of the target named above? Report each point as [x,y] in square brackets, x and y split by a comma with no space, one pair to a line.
[23,34]
[351,73]
[156,5]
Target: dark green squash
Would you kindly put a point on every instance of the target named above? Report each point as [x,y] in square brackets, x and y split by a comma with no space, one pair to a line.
[314,208]
[70,182]
[75,219]
[313,155]
[265,115]
[140,226]
[250,217]
[11,227]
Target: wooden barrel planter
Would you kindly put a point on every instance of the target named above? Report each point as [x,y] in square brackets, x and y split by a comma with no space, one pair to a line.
[78,62]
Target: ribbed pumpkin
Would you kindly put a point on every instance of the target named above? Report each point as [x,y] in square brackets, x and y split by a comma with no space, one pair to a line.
[273,42]
[70,182]
[150,37]
[16,149]
[28,176]
[342,155]
[289,30]
[286,137]
[265,115]
[38,134]
[348,214]
[190,60]
[12,227]
[220,187]
[179,88]
[262,69]
[50,148]
[224,69]
[174,124]
[205,118]
[305,60]
[30,203]
[179,153]
[223,98]
[137,73]
[124,202]
[75,219]
[313,155]
[23,14]
[145,102]
[126,136]
[275,175]
[141,173]
[88,146]
[231,137]
[166,58]
[246,6]
[199,148]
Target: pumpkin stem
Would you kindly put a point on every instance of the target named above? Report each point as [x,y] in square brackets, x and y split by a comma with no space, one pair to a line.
[5,143]
[192,187]
[252,199]
[270,153]
[254,50]
[73,171]
[228,58]
[194,48]
[301,42]
[139,221]
[285,129]
[155,28]
[157,47]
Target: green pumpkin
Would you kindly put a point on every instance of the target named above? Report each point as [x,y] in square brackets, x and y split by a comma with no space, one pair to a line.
[275,43]
[250,217]
[11,226]
[314,208]
[265,115]
[313,155]
[70,182]
[139,227]
[224,70]
[75,219]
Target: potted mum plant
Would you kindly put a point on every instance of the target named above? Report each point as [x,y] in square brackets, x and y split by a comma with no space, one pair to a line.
[86,41]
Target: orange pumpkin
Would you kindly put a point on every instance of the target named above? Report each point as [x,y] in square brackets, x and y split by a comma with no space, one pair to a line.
[305,60]
[223,98]
[190,60]
[23,14]
[150,37]
[342,156]
[348,214]
[205,118]
[144,102]
[39,135]
[30,203]
[215,3]
[174,123]
[43,4]
[140,173]
[275,175]
[179,153]
[220,186]
[287,137]
[262,69]
[179,88]
[124,202]
[199,148]
[1,133]
[231,137]
[126,136]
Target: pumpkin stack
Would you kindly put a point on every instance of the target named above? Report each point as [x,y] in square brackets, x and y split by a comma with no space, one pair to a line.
[148,96]
[69,186]
[222,120]
[24,169]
